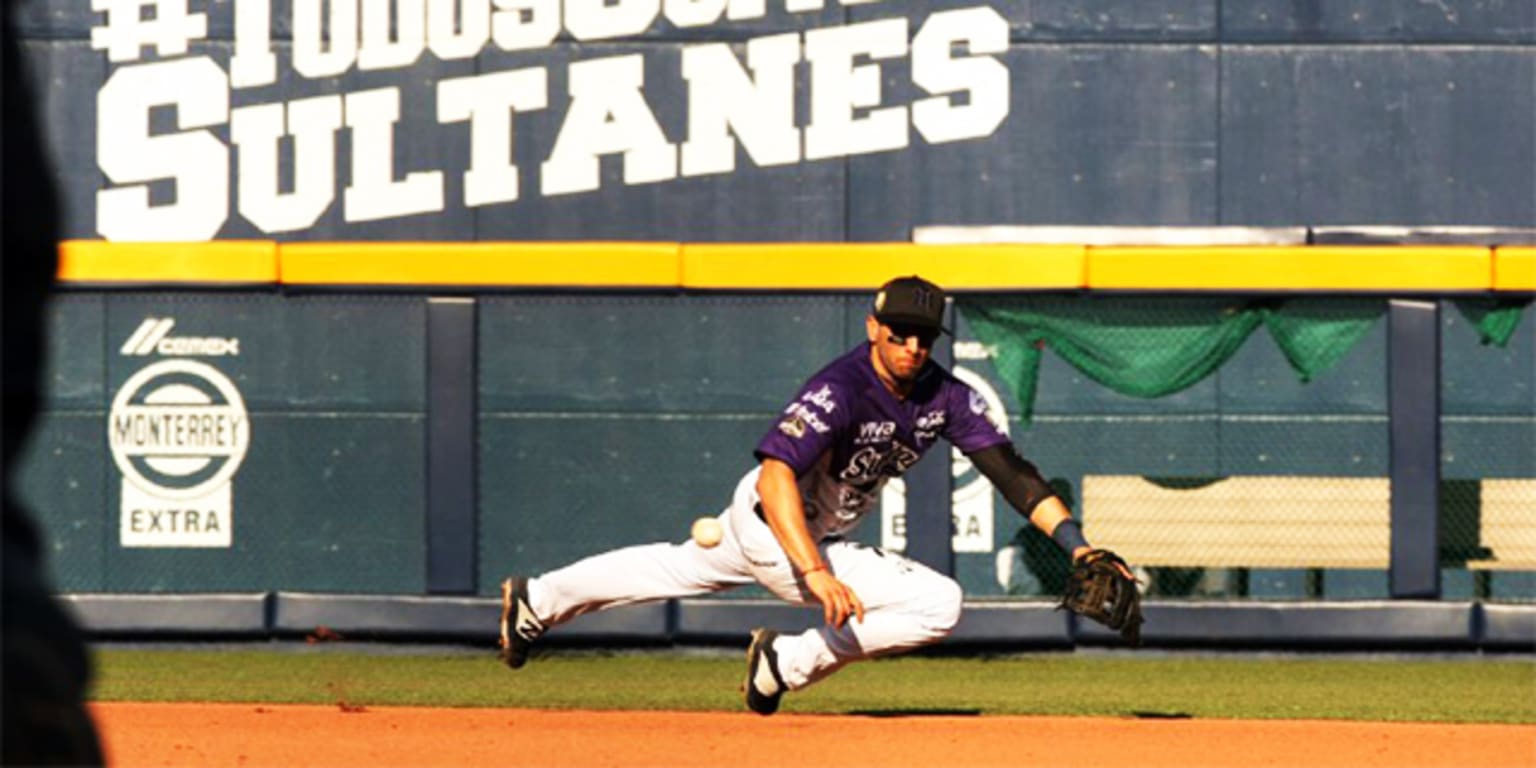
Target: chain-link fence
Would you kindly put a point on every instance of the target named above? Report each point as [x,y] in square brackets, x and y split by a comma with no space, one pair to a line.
[1488,450]
[1239,448]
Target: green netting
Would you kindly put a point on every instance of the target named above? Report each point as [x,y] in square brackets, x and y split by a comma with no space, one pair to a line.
[1150,347]
[1495,319]
[1259,460]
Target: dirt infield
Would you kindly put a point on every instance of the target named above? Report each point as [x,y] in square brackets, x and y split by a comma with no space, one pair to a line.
[272,735]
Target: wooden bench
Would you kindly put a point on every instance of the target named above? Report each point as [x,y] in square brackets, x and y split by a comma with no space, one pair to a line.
[1284,522]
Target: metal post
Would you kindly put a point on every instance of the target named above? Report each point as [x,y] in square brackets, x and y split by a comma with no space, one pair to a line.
[451,465]
[1413,405]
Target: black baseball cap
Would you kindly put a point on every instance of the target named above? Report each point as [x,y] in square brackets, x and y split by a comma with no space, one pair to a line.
[911,302]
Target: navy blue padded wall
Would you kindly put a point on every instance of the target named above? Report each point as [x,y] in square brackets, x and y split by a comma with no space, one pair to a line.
[1096,134]
[64,464]
[329,494]
[1316,21]
[616,420]
[1079,20]
[1378,135]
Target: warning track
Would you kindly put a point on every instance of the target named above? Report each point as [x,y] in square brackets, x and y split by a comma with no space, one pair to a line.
[184,734]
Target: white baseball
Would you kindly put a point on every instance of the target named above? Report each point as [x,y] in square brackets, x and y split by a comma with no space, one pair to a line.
[707,532]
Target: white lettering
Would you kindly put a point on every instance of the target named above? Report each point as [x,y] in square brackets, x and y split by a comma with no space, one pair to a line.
[693,13]
[838,87]
[381,51]
[930,420]
[196,160]
[521,24]
[741,10]
[128,30]
[808,416]
[188,346]
[821,398]
[600,20]
[742,99]
[875,432]
[458,36]
[374,192]
[253,62]
[761,112]
[608,114]
[871,463]
[174,521]
[255,131]
[489,102]
[982,77]
[311,58]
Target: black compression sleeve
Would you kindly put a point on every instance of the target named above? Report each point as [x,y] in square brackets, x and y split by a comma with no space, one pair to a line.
[1018,480]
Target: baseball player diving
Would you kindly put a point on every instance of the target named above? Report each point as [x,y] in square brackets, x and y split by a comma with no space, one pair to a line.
[865,418]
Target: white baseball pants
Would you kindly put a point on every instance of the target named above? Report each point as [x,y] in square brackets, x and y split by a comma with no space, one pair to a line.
[906,604]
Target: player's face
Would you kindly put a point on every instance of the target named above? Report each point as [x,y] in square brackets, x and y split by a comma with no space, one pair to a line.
[901,351]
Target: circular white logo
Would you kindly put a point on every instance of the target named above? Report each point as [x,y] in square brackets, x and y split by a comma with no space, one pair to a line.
[178,429]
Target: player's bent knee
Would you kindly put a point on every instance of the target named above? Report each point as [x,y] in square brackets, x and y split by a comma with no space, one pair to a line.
[950,605]
[941,607]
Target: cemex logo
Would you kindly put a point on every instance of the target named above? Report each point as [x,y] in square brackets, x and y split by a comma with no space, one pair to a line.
[153,337]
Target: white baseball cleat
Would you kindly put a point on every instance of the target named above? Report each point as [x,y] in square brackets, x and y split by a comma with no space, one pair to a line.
[519,626]
[763,686]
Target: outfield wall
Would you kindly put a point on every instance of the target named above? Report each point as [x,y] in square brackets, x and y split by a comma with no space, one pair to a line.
[398,396]
[406,448]
[1354,625]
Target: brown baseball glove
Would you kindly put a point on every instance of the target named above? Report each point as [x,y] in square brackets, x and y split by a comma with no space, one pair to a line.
[1098,588]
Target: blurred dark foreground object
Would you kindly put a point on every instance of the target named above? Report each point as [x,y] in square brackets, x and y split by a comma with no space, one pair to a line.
[46,667]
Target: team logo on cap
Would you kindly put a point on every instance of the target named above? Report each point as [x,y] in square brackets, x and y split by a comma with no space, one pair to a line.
[880,301]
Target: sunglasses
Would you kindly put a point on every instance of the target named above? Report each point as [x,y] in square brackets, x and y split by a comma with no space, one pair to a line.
[899,334]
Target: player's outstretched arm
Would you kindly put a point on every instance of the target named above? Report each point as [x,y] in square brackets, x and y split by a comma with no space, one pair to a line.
[785,515]
[1020,483]
[1026,491]
[1048,516]
[1101,585]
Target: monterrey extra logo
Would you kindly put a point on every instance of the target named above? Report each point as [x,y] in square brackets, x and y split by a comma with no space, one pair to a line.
[178,429]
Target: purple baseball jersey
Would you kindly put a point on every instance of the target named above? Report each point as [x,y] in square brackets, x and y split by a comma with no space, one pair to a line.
[845,435]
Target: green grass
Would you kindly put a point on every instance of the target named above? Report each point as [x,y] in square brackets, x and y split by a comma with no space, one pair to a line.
[1454,690]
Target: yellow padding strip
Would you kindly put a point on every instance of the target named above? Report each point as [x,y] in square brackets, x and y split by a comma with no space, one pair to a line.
[538,264]
[1514,268]
[1292,268]
[805,266]
[864,266]
[222,261]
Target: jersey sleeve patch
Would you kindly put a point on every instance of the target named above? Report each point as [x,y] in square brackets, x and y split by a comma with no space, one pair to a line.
[805,428]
